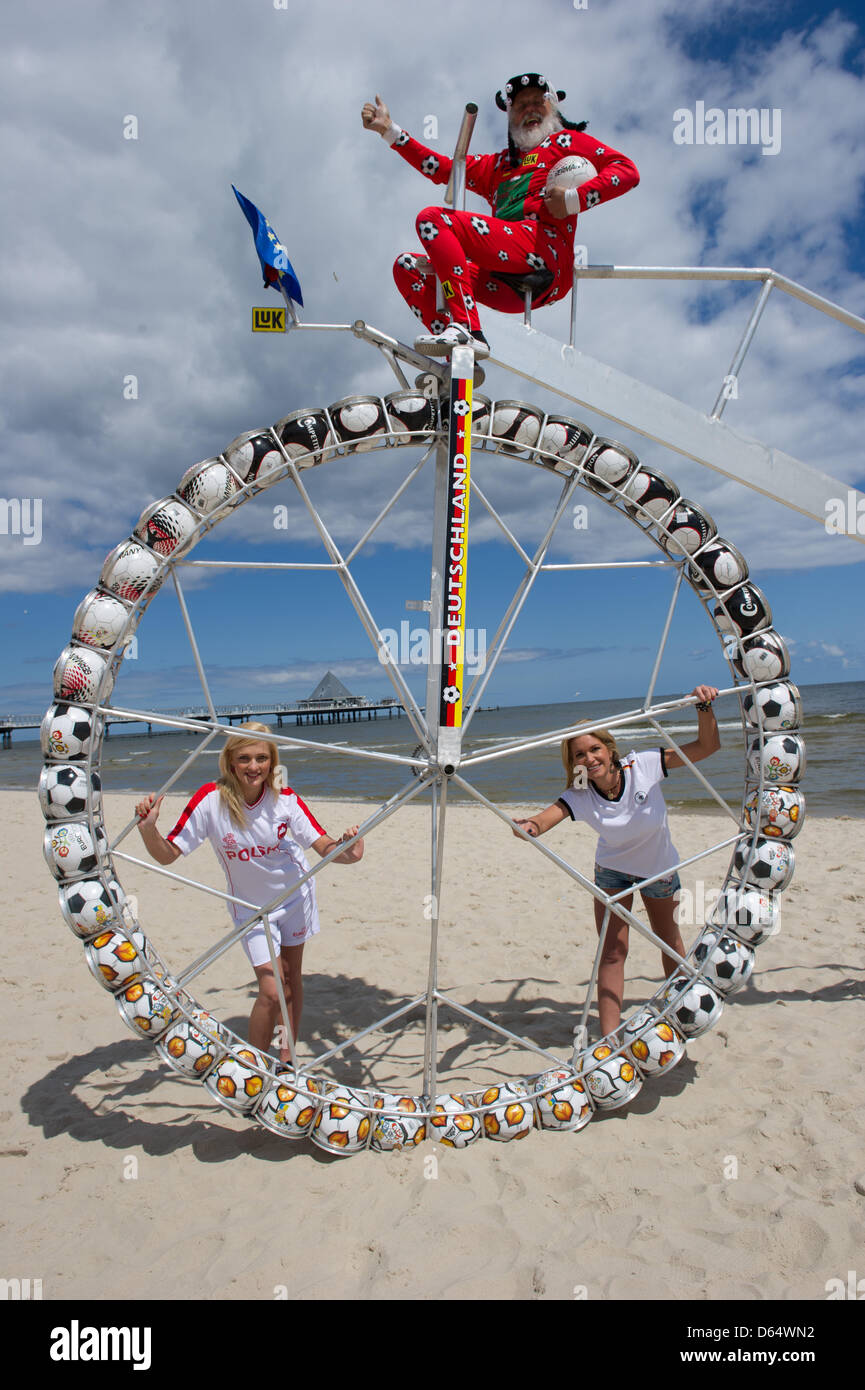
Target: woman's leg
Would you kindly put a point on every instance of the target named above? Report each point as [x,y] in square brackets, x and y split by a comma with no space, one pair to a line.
[291,960]
[611,971]
[662,919]
[265,1010]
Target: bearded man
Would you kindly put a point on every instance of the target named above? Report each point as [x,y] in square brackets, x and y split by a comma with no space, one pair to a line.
[481,260]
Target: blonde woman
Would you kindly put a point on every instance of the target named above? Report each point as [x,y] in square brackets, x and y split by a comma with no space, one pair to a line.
[259,832]
[622,800]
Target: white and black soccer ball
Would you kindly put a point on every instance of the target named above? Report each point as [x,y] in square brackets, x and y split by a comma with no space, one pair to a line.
[79,673]
[743,611]
[561,1100]
[648,495]
[290,1104]
[89,905]
[609,464]
[717,568]
[255,455]
[778,705]
[451,1124]
[653,1042]
[116,958]
[70,850]
[507,1111]
[694,1007]
[762,657]
[236,1081]
[567,439]
[130,570]
[66,732]
[411,414]
[304,435]
[100,620]
[63,790]
[517,424]
[360,422]
[190,1050]
[750,914]
[768,864]
[686,529]
[571,172]
[725,963]
[777,813]
[343,1124]
[167,526]
[146,1008]
[481,415]
[612,1081]
[781,757]
[209,487]
[396,1122]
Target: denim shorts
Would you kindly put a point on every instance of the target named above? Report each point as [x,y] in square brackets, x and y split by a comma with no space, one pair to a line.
[613,881]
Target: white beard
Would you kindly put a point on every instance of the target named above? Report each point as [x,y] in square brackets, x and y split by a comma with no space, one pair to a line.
[528,139]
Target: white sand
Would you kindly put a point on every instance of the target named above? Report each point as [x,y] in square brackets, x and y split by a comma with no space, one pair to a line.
[640,1204]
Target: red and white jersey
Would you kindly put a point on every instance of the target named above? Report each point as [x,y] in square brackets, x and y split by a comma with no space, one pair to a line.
[263,859]
[633,835]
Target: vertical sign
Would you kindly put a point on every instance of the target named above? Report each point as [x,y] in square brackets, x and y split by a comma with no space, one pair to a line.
[455,557]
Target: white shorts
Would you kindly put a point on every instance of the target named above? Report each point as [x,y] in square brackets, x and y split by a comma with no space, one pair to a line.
[288,929]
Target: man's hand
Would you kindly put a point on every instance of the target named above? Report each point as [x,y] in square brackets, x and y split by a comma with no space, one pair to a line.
[554,202]
[376,117]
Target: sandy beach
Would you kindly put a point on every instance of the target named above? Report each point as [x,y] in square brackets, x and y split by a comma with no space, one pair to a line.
[733,1177]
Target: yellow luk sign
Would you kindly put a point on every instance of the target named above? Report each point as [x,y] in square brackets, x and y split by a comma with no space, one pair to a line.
[268,320]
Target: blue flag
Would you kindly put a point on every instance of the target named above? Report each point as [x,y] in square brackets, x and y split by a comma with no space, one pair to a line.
[275,265]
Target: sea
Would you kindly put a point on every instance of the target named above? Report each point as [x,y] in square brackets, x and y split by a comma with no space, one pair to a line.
[833,728]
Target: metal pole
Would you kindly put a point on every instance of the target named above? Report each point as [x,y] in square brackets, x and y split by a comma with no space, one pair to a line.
[739,356]
[455,194]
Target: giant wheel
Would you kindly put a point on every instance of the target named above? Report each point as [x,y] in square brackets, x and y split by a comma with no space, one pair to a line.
[155,991]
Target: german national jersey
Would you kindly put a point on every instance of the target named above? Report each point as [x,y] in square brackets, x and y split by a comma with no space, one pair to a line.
[633,835]
[263,859]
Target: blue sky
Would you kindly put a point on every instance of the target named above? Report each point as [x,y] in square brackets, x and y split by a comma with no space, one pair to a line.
[131,257]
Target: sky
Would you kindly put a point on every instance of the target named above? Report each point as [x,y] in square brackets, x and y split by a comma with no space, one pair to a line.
[129,258]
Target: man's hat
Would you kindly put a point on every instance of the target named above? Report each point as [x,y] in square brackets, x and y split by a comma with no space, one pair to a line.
[520,83]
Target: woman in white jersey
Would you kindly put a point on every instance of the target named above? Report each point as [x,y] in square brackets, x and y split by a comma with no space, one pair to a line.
[623,802]
[259,831]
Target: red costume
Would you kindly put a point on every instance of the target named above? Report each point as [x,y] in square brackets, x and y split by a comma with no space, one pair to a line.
[469,251]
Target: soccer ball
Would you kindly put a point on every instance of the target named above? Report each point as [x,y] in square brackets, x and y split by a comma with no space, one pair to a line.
[129,570]
[770,863]
[166,526]
[743,611]
[410,414]
[717,568]
[763,657]
[778,813]
[612,1081]
[342,1125]
[254,455]
[649,495]
[208,487]
[146,1008]
[566,438]
[516,423]
[566,1105]
[781,756]
[70,851]
[90,904]
[481,415]
[694,1006]
[188,1050]
[303,435]
[63,790]
[653,1042]
[400,1127]
[359,422]
[609,463]
[779,705]
[290,1104]
[236,1081]
[571,172]
[507,1112]
[724,962]
[79,673]
[450,1124]
[686,529]
[747,913]
[115,958]
[100,620]
[66,731]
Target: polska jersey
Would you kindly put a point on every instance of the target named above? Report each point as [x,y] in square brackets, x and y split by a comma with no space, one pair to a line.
[263,859]
[514,191]
[633,835]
